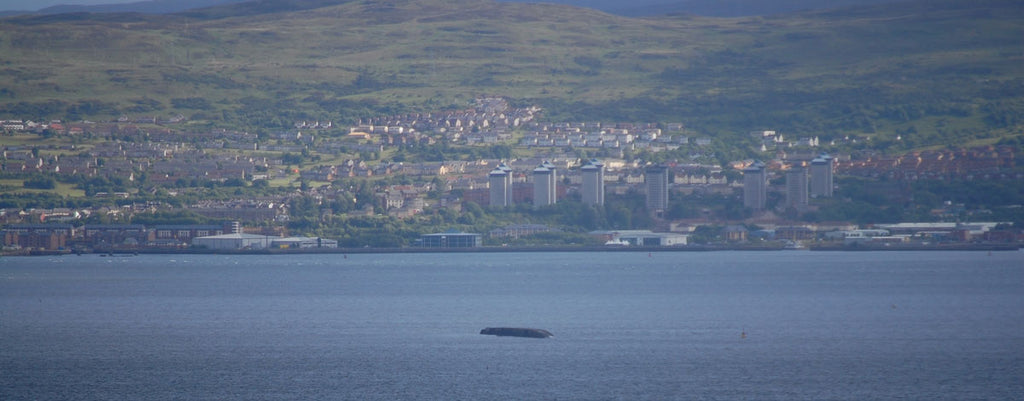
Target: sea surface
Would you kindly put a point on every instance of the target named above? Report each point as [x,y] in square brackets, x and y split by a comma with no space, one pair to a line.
[780,325]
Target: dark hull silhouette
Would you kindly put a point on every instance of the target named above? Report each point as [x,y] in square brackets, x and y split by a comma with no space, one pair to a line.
[516,332]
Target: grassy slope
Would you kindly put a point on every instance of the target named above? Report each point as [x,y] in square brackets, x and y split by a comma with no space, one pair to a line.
[939,68]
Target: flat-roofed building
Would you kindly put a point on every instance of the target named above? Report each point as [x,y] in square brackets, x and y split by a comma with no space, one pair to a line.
[500,182]
[821,176]
[184,233]
[114,235]
[755,186]
[641,238]
[796,188]
[233,241]
[303,243]
[38,236]
[656,179]
[450,239]
[543,186]
[593,182]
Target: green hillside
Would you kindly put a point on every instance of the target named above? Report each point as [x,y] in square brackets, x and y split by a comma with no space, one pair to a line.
[933,72]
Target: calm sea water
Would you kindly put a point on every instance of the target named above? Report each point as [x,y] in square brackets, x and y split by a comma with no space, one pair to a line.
[715,326]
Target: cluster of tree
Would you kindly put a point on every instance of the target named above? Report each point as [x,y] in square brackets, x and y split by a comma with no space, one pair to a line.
[865,201]
[572,219]
[40,182]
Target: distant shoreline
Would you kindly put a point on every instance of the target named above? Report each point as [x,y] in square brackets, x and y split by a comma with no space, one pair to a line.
[509,249]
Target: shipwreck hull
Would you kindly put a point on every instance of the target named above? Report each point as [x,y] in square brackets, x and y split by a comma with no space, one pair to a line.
[516,332]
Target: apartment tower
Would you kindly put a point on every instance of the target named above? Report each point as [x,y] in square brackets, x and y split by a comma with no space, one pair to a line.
[796,188]
[593,182]
[821,176]
[543,186]
[755,186]
[500,187]
[656,178]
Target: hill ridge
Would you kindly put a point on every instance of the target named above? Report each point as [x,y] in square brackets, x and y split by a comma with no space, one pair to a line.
[833,72]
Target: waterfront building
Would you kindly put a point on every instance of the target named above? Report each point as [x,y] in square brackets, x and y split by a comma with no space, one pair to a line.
[640,238]
[37,236]
[821,176]
[796,188]
[236,241]
[450,239]
[593,182]
[178,235]
[656,178]
[115,235]
[303,243]
[755,186]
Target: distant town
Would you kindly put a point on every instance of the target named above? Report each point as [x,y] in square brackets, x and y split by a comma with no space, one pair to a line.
[492,155]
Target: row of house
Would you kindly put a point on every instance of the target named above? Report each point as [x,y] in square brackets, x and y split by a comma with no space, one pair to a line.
[489,119]
[978,162]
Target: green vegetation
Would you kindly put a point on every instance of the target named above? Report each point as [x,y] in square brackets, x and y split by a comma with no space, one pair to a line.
[868,202]
[40,183]
[933,72]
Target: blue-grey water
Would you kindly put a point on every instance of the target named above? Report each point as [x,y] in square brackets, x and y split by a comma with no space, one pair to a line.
[790,325]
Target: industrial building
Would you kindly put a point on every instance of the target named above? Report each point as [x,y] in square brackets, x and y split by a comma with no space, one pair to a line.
[303,243]
[239,241]
[450,239]
[235,241]
[641,238]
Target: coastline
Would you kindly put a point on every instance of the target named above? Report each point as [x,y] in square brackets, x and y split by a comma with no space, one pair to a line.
[508,249]
[917,247]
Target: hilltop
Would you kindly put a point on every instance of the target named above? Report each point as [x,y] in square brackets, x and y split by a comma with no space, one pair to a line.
[930,72]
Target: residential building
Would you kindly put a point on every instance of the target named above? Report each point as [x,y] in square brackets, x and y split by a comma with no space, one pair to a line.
[821,176]
[796,188]
[656,178]
[115,235]
[543,186]
[755,186]
[500,184]
[179,235]
[38,236]
[509,178]
[553,182]
[593,182]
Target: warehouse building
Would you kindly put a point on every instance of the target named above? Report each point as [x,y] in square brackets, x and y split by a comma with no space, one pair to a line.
[233,241]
